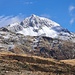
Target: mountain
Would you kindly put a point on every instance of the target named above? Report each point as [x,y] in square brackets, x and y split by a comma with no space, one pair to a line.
[38,36]
[35,47]
[40,26]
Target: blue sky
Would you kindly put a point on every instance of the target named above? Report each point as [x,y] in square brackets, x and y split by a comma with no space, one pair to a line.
[60,11]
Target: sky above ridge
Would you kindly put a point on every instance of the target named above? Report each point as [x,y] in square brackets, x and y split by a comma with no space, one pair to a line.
[60,11]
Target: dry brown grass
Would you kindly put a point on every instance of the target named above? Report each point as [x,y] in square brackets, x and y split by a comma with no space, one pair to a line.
[35,65]
[71,62]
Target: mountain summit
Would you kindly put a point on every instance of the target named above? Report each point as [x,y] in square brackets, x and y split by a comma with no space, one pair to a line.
[37,26]
[37,21]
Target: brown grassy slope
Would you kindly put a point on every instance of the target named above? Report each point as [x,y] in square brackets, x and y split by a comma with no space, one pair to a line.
[34,65]
[70,61]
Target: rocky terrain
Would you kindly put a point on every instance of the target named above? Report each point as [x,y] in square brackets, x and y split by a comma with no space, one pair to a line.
[39,36]
[36,45]
[27,48]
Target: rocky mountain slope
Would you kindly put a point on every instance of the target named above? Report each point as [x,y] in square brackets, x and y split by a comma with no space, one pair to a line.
[38,36]
[36,45]
[36,26]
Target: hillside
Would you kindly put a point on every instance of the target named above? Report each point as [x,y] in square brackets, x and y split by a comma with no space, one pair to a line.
[14,64]
[36,45]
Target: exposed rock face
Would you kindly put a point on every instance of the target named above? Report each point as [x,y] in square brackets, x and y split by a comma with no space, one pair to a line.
[38,45]
[34,36]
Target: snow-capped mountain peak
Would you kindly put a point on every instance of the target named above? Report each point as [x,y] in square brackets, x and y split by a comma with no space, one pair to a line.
[36,26]
[34,20]
[33,16]
[14,24]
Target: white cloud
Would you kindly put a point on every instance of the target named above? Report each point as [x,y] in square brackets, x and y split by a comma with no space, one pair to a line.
[1,17]
[6,20]
[46,15]
[25,2]
[28,3]
[71,13]
[72,21]
[71,8]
